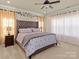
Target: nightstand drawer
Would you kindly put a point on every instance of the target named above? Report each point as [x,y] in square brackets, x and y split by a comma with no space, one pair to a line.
[9,40]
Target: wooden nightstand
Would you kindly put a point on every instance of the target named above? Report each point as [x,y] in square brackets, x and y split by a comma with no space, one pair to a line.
[9,40]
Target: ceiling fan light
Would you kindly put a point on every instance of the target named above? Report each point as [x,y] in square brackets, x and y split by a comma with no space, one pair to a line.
[8,1]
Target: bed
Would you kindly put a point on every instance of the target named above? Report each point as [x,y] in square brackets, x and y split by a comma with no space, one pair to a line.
[34,42]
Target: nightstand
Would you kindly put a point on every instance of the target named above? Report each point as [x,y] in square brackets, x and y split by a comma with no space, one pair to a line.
[9,40]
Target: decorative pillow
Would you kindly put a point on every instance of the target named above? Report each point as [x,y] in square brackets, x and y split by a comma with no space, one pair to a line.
[25,30]
[36,29]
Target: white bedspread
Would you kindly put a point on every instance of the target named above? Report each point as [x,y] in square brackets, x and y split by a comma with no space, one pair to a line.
[36,43]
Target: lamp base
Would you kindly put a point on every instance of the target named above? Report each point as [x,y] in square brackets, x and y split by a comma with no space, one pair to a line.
[8,34]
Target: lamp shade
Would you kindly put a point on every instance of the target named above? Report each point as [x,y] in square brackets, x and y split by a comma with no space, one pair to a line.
[8,28]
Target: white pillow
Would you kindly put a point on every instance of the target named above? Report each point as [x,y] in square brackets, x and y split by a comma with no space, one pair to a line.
[36,29]
[25,30]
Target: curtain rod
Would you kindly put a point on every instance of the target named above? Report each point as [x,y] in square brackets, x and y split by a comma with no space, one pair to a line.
[9,10]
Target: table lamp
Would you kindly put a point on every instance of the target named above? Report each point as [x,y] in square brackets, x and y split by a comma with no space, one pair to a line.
[9,29]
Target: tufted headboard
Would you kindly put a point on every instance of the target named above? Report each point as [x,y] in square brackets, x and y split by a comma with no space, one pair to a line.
[26,24]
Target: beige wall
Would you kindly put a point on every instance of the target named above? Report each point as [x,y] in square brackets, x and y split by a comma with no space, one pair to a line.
[18,17]
[47,23]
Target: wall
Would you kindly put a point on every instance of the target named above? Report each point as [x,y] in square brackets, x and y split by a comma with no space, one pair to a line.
[26,18]
[47,24]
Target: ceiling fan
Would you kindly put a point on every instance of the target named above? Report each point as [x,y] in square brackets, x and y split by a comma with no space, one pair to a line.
[47,2]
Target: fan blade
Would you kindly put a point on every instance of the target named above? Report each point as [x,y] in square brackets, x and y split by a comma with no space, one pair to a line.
[50,6]
[42,7]
[54,2]
[39,4]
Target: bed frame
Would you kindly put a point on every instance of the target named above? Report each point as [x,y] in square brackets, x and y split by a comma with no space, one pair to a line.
[30,24]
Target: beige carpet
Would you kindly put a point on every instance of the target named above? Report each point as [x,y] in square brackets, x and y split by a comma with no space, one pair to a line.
[62,51]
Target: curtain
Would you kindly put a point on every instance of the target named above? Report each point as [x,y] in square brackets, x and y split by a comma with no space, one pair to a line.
[41,23]
[7,19]
[66,25]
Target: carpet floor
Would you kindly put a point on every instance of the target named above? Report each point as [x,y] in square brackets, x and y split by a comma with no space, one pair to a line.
[62,51]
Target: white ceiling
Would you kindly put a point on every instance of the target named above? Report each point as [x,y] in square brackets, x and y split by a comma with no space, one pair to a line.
[30,5]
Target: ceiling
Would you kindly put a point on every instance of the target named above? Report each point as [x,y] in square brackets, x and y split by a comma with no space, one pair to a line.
[30,5]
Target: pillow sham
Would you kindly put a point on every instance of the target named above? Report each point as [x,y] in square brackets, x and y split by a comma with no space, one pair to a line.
[25,30]
[36,30]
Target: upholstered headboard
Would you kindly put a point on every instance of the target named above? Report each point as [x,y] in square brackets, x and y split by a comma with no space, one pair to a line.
[26,24]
